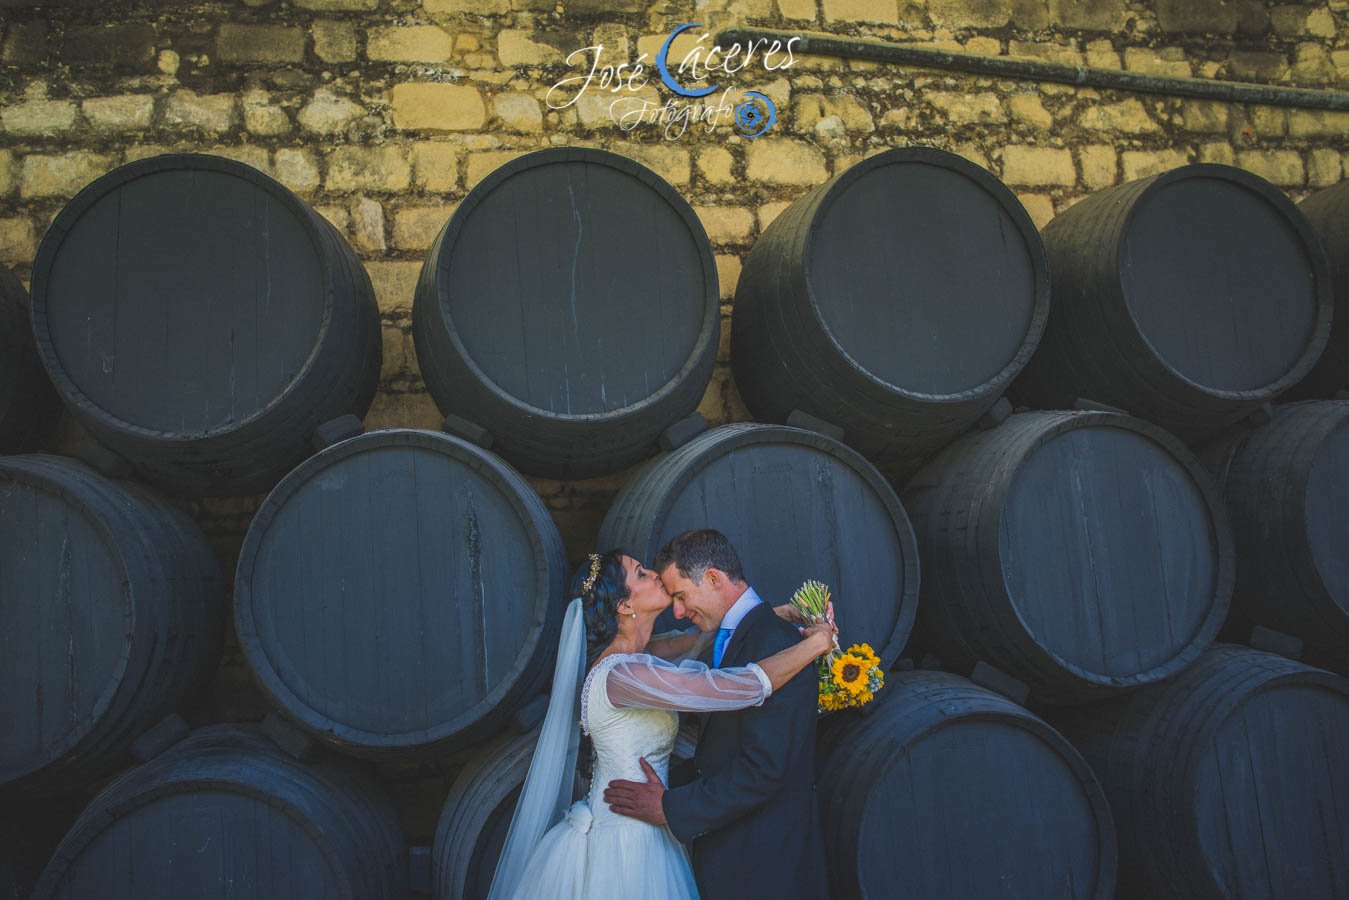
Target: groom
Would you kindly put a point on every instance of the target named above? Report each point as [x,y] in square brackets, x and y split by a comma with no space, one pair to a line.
[751,812]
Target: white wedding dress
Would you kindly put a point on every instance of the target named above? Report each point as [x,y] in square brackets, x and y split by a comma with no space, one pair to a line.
[629,705]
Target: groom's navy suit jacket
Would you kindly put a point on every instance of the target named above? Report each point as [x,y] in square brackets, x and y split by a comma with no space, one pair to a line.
[751,812]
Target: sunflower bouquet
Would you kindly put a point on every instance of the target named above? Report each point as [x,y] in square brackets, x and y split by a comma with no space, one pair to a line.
[847,677]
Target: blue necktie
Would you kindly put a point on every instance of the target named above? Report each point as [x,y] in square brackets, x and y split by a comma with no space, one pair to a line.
[718,648]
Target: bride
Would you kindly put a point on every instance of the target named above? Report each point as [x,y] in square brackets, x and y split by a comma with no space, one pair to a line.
[634,686]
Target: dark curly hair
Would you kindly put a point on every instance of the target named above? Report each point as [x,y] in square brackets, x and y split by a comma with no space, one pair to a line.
[599,604]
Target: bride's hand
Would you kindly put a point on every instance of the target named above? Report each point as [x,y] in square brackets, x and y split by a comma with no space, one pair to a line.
[823,635]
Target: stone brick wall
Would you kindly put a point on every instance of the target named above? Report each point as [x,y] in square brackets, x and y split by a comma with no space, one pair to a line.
[383,114]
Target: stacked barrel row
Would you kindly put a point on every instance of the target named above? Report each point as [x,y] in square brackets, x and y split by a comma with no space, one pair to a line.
[1068,556]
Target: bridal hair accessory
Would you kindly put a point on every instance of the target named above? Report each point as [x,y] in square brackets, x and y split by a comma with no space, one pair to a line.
[594,572]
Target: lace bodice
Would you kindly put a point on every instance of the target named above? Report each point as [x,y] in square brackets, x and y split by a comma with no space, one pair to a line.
[629,705]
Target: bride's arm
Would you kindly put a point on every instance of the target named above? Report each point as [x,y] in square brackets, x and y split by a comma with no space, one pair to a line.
[673,646]
[645,682]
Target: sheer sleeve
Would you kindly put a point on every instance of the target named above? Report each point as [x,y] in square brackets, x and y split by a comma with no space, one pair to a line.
[701,641]
[642,681]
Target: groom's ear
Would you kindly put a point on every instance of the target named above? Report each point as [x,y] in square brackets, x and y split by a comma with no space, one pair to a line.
[714,578]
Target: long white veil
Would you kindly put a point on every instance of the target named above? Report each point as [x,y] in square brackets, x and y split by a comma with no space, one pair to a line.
[548,786]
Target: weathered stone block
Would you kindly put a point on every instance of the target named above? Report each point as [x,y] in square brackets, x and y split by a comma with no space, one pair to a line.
[435,166]
[1143,163]
[216,113]
[367,224]
[1088,15]
[412,43]
[128,46]
[431,106]
[518,112]
[1323,167]
[236,43]
[39,118]
[1037,166]
[329,113]
[669,162]
[297,169]
[394,284]
[969,13]
[477,7]
[25,43]
[516,48]
[125,112]
[1098,166]
[809,109]
[482,164]
[726,224]
[1126,117]
[1202,16]
[334,40]
[367,169]
[883,12]
[416,227]
[60,174]
[1281,167]
[338,5]
[785,161]
[962,108]
[714,164]
[18,241]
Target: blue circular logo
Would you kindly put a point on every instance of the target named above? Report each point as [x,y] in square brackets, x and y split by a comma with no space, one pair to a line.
[755,114]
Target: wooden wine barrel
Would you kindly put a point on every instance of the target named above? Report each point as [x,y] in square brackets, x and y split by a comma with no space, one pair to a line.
[29,407]
[796,505]
[897,301]
[17,869]
[569,307]
[1187,298]
[1328,213]
[111,617]
[1082,553]
[201,320]
[1286,485]
[1227,781]
[477,813]
[224,813]
[949,790]
[400,594]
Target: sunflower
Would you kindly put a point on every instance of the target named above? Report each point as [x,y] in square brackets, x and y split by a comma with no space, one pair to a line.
[865,652]
[850,672]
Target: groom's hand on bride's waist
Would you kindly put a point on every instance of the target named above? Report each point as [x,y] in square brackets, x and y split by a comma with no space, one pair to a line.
[638,799]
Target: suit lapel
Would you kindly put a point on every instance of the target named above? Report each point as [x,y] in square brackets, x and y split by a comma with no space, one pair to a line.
[736,644]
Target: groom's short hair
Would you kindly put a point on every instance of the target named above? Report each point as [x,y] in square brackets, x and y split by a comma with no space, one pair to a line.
[694,552]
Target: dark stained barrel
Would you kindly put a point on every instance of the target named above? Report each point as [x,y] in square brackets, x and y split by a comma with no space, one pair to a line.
[897,301]
[18,871]
[1082,553]
[796,505]
[1286,484]
[111,617]
[949,790]
[1227,781]
[224,813]
[476,817]
[570,308]
[400,594]
[201,320]
[1188,299]
[1328,213]
[477,813]
[29,407]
